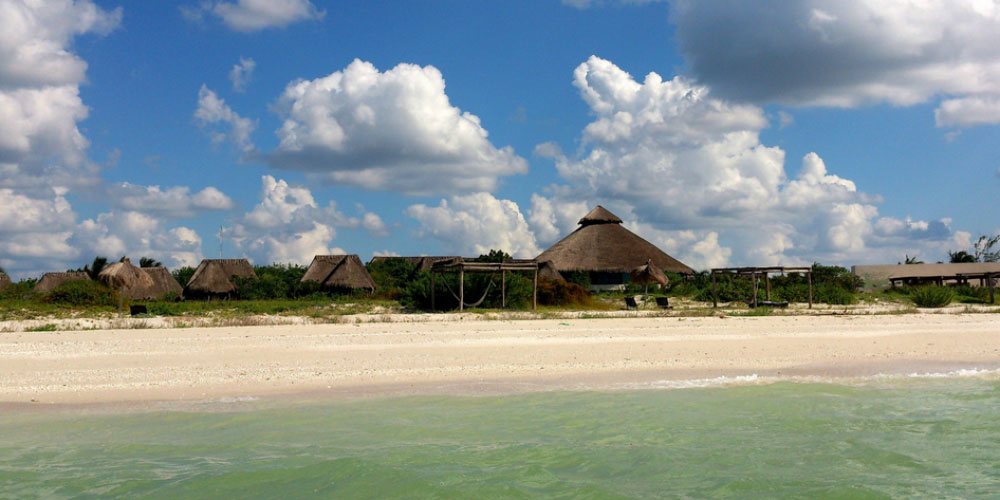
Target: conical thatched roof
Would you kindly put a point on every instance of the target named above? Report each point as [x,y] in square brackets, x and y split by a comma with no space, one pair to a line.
[4,281]
[52,280]
[599,215]
[339,271]
[602,244]
[547,269]
[123,276]
[213,276]
[648,273]
[422,263]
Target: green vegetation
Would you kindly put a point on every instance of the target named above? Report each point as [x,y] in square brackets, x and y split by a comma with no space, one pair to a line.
[82,293]
[277,281]
[94,268]
[183,275]
[831,285]
[932,296]
[149,262]
[48,327]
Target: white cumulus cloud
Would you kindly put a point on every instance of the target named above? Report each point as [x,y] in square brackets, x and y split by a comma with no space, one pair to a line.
[250,16]
[474,224]
[392,130]
[689,171]
[176,201]
[289,226]
[216,116]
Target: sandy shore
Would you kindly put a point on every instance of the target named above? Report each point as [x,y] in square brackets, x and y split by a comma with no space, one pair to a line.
[103,366]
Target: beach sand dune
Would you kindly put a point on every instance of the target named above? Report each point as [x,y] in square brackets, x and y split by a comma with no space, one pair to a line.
[80,367]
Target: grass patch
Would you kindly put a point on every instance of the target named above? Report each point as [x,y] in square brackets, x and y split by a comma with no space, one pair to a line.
[48,327]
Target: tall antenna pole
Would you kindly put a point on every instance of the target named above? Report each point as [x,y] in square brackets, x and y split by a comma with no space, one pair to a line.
[220,242]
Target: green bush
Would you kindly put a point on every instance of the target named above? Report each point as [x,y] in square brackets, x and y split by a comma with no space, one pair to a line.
[22,290]
[932,296]
[82,293]
[391,276]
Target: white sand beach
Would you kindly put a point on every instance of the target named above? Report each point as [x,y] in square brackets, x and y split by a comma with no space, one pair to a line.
[477,356]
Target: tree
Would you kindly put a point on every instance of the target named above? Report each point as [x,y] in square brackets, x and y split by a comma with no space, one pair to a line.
[960,256]
[983,249]
[95,268]
[149,262]
[911,260]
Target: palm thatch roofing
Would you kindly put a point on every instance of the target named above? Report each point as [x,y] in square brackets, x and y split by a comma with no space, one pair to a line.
[648,273]
[4,281]
[601,244]
[212,277]
[123,276]
[54,279]
[339,272]
[422,263]
[160,283]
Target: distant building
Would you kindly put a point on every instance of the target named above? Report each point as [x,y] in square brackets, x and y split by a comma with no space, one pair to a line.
[881,276]
[339,272]
[213,277]
[607,252]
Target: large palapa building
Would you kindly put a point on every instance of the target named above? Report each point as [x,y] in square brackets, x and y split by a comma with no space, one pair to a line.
[607,251]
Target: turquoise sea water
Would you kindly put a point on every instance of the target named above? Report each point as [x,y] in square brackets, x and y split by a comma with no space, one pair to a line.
[925,438]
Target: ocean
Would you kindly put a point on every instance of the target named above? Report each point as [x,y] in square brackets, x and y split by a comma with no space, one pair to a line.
[882,437]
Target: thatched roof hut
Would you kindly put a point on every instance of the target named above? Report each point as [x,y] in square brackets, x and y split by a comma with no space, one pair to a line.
[339,272]
[648,273]
[4,281]
[52,280]
[602,246]
[422,263]
[212,277]
[157,284]
[123,276]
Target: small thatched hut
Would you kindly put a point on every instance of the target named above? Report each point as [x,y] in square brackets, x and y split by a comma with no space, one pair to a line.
[163,283]
[4,281]
[422,263]
[212,277]
[339,272]
[607,251]
[148,283]
[52,280]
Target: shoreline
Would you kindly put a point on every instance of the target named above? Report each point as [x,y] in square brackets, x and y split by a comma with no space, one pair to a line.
[490,357]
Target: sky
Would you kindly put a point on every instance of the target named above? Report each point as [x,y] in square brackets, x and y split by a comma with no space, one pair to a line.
[757,133]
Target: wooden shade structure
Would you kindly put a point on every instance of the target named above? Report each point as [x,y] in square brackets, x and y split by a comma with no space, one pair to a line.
[646,274]
[4,281]
[461,266]
[760,274]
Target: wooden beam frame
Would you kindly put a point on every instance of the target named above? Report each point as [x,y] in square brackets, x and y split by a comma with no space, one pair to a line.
[765,272]
[461,265]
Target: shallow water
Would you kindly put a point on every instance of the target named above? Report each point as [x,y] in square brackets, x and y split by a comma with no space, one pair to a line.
[892,438]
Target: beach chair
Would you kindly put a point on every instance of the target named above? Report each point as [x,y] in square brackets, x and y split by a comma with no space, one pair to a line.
[630,303]
[663,303]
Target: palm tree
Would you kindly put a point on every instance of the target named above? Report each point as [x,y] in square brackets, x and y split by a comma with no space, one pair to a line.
[912,260]
[95,268]
[149,262]
[961,256]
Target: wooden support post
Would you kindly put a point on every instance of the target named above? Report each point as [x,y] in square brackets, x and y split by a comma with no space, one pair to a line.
[755,289]
[809,278]
[992,281]
[432,292]
[503,289]
[534,291]
[715,292]
[767,284]
[461,288]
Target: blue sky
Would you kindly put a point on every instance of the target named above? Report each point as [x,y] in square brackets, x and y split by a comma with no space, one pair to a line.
[788,132]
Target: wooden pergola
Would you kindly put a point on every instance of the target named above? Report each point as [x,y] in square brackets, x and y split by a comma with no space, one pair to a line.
[462,266]
[985,279]
[764,273]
